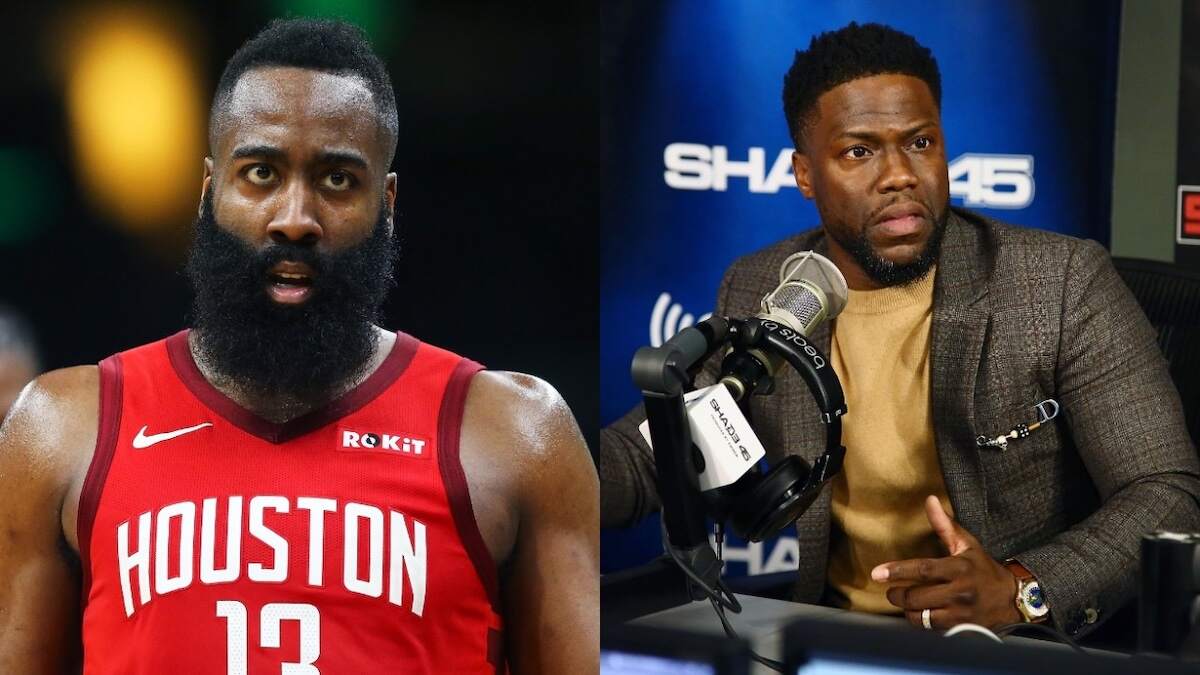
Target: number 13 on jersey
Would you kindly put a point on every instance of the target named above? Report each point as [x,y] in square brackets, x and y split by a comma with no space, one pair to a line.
[270,619]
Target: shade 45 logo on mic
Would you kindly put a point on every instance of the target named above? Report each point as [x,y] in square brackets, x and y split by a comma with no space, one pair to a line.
[722,435]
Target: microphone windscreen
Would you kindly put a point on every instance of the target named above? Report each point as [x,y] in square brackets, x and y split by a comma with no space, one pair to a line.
[811,290]
[799,301]
[819,271]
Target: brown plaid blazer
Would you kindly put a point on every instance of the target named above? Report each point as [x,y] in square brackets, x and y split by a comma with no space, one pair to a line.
[1019,315]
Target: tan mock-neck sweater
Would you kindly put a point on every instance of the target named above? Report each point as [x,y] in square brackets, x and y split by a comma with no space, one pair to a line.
[880,351]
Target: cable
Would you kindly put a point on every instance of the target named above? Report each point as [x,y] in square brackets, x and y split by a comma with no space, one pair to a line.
[1005,631]
[729,631]
[972,628]
[719,532]
[719,535]
[720,597]
[720,594]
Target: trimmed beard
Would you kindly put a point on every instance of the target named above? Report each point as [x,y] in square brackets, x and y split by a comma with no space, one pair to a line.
[301,354]
[885,272]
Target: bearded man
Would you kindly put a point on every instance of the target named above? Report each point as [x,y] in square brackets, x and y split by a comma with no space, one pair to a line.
[957,326]
[288,487]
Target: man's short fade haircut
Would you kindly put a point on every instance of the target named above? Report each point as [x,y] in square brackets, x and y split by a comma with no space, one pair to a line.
[846,54]
[325,45]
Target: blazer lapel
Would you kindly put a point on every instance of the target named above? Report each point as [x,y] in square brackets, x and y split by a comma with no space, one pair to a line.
[960,324]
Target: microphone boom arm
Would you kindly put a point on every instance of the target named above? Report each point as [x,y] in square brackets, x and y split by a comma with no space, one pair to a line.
[664,374]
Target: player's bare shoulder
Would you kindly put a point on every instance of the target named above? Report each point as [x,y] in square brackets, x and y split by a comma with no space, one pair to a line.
[519,438]
[54,418]
[46,442]
[527,417]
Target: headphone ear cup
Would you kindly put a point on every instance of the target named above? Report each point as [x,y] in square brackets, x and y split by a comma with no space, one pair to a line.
[771,505]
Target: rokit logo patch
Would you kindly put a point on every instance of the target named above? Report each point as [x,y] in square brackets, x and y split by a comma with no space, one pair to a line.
[407,445]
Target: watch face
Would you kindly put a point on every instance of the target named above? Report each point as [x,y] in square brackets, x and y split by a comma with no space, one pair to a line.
[1031,597]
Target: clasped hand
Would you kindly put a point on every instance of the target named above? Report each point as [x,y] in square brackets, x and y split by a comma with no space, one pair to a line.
[968,586]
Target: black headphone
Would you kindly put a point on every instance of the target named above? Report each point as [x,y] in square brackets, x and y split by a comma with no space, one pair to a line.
[758,505]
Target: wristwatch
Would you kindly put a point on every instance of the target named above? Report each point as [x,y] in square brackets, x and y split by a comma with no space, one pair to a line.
[1030,601]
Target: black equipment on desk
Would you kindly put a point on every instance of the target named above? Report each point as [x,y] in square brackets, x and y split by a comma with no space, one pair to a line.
[757,505]
[816,646]
[1169,604]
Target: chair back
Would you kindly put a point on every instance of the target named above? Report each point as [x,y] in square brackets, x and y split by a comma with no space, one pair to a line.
[1170,297]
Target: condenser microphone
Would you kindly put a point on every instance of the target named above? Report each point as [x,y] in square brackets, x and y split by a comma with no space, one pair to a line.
[811,291]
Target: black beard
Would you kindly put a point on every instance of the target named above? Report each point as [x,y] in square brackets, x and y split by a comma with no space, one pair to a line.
[885,272]
[304,354]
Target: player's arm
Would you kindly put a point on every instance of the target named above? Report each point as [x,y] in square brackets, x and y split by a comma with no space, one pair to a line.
[42,442]
[550,583]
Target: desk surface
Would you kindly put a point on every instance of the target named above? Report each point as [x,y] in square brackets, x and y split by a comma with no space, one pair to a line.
[763,620]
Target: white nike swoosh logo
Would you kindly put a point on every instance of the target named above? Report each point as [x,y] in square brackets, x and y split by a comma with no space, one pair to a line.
[143,441]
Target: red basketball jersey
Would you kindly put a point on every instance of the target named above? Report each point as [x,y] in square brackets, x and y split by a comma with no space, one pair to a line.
[213,541]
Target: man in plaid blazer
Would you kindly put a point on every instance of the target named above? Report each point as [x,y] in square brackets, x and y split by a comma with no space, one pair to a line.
[1018,316]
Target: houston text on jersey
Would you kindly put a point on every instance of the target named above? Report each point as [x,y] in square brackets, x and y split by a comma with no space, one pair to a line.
[156,552]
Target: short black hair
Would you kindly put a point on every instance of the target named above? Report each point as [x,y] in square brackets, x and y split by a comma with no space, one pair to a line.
[326,45]
[846,54]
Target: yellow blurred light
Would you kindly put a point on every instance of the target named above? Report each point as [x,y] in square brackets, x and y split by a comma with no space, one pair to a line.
[137,117]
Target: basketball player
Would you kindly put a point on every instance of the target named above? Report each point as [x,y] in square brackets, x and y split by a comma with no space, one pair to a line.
[286,487]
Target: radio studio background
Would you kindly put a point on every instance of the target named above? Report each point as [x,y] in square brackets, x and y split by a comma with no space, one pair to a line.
[1053,114]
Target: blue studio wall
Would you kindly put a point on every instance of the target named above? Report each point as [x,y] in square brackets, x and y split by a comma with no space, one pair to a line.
[700,155]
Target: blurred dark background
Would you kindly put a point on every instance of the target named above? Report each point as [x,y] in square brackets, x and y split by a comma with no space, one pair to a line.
[499,162]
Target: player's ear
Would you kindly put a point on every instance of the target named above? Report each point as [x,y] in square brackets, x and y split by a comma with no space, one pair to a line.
[389,199]
[205,183]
